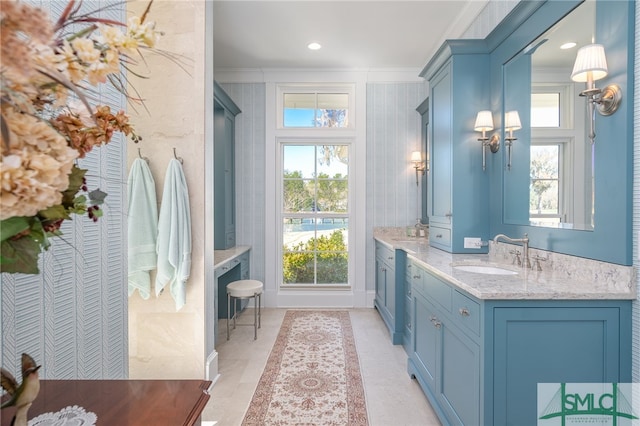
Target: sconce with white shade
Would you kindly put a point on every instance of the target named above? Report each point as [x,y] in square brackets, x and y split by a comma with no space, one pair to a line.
[590,66]
[484,123]
[418,164]
[511,124]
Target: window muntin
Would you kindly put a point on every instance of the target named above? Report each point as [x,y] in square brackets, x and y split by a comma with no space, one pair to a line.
[315,214]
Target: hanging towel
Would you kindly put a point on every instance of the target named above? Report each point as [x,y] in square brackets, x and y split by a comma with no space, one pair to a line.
[174,235]
[143,227]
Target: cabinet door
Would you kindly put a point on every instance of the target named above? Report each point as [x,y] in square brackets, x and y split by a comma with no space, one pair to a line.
[550,345]
[426,340]
[381,279]
[441,146]
[459,385]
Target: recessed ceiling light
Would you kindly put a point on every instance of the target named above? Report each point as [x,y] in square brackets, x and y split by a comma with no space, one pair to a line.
[568,45]
[314,46]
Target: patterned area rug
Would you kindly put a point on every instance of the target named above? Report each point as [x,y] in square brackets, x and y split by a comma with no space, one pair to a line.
[312,376]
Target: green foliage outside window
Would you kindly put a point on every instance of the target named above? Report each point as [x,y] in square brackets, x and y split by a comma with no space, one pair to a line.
[328,252]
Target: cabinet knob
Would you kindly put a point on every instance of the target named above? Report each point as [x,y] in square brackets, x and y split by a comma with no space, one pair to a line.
[409,293]
[436,323]
[464,312]
[439,236]
[390,257]
[383,269]
[409,326]
[224,268]
[415,277]
[449,214]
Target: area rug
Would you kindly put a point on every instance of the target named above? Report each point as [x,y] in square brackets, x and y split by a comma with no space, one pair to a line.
[312,376]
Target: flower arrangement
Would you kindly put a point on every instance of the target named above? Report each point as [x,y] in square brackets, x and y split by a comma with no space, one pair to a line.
[47,122]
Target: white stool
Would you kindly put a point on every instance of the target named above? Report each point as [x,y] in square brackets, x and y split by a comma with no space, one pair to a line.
[244,289]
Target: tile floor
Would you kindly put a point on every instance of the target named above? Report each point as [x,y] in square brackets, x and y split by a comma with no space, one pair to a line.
[392,397]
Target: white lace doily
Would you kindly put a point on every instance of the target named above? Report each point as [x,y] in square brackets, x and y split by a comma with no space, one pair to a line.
[68,416]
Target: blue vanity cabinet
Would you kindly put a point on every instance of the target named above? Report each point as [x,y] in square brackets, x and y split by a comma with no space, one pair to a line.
[389,299]
[225,111]
[445,358]
[552,342]
[458,194]
[479,361]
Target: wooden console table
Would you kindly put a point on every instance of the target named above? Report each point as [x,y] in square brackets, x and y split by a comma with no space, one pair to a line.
[123,402]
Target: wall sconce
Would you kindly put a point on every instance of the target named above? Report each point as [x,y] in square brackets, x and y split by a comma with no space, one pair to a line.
[591,65]
[511,123]
[416,159]
[484,123]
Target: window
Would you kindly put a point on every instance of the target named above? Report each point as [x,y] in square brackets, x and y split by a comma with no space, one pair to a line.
[316,110]
[315,214]
[320,106]
[545,109]
[552,106]
[545,192]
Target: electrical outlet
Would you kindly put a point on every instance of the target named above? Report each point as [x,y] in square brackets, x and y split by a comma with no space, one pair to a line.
[472,243]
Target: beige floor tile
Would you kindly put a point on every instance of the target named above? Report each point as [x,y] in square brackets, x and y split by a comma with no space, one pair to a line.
[393,398]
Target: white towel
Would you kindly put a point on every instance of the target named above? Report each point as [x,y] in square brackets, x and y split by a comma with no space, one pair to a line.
[174,235]
[142,227]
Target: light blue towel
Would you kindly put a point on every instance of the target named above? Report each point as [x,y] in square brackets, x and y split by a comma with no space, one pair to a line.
[174,235]
[143,227]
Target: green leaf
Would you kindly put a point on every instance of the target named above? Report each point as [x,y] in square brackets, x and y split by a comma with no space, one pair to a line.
[75,182]
[97,197]
[19,255]
[13,226]
[54,213]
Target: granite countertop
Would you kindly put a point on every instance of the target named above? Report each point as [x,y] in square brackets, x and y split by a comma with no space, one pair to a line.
[222,256]
[613,283]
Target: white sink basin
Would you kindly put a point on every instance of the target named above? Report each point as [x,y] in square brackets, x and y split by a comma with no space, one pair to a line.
[485,269]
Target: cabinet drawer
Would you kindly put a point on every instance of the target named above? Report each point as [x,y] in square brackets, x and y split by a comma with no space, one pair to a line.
[466,312]
[415,279]
[386,254]
[438,291]
[440,236]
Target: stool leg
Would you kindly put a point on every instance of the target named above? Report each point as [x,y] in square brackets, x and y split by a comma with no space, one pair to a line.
[255,317]
[228,312]
[235,310]
[259,313]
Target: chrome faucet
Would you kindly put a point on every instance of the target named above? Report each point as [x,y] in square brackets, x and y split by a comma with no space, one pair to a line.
[525,246]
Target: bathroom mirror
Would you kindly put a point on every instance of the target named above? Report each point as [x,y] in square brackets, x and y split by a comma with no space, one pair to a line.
[550,179]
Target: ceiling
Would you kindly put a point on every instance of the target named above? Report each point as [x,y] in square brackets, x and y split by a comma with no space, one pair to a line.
[354,34]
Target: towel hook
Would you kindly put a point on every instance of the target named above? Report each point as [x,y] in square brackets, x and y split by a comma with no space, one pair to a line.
[140,155]
[176,156]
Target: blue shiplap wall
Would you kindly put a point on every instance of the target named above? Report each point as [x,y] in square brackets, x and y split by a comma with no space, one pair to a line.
[72,317]
[393,132]
[636,202]
[250,170]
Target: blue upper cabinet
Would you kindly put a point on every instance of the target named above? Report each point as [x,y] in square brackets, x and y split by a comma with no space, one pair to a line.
[587,211]
[458,195]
